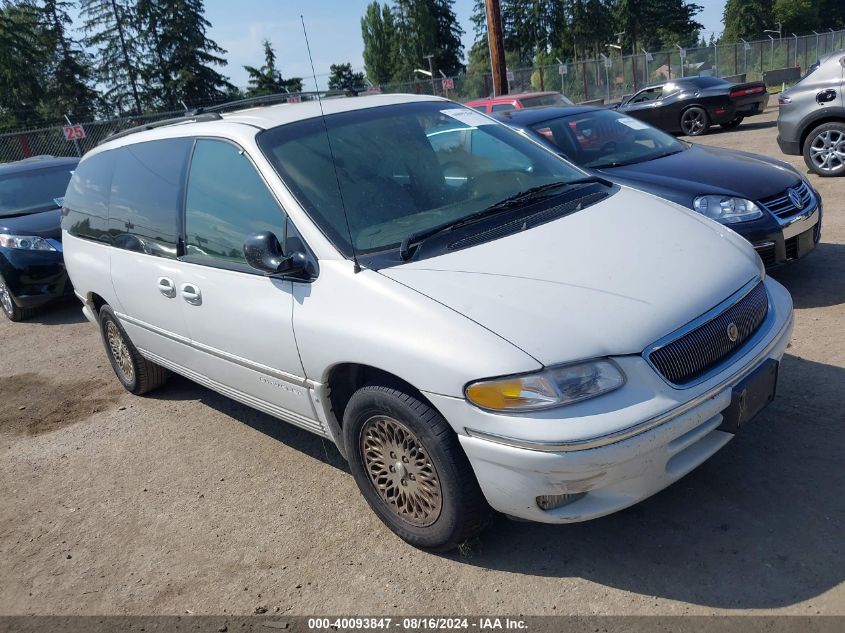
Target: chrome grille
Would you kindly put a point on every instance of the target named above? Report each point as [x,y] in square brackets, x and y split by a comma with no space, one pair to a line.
[783,207]
[697,351]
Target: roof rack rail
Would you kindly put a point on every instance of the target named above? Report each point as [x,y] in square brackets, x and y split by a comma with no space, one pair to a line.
[275,98]
[195,117]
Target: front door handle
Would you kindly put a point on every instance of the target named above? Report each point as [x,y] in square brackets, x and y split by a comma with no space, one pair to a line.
[191,294]
[166,287]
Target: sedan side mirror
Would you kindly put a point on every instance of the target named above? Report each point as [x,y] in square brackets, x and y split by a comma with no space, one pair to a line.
[264,252]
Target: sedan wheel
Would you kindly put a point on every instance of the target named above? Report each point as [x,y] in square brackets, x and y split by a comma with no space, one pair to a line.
[824,150]
[8,305]
[695,122]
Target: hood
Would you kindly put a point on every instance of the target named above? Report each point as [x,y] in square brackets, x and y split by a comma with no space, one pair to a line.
[46,224]
[607,280]
[710,170]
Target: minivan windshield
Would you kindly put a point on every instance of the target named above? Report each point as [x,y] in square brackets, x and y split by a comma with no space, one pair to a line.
[604,138]
[32,191]
[404,169]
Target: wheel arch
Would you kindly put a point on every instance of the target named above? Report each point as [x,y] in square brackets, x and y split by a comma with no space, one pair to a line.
[344,379]
[828,117]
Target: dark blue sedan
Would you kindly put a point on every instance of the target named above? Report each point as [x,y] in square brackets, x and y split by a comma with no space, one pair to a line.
[32,270]
[765,200]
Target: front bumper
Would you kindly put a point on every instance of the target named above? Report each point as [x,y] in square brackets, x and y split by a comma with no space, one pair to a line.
[778,242]
[34,277]
[644,447]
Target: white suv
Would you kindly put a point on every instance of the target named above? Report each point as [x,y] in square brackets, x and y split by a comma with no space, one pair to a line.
[473,321]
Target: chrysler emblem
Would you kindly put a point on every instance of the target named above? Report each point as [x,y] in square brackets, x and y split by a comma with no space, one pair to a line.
[733,332]
[795,198]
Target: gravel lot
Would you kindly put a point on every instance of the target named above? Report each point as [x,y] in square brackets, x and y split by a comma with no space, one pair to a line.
[185,501]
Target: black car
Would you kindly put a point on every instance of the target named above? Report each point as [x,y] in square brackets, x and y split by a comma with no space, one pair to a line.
[765,200]
[691,105]
[32,271]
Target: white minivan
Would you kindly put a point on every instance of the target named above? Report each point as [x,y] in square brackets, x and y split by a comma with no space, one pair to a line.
[473,321]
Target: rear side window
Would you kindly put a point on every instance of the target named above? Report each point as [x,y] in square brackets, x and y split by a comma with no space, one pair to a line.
[86,205]
[226,201]
[146,196]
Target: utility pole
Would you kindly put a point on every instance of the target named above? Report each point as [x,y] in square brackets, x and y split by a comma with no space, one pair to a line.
[495,40]
[431,72]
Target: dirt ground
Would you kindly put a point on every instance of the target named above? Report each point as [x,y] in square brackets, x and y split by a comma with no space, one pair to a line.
[185,501]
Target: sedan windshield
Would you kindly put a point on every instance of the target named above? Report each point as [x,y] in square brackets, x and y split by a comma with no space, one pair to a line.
[604,138]
[32,191]
[382,174]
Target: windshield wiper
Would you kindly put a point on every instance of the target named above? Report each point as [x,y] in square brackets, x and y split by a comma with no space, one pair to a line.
[518,199]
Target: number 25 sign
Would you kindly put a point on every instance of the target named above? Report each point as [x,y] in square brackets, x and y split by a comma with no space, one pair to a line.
[73,132]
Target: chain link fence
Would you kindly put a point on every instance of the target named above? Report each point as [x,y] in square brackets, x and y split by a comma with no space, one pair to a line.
[601,80]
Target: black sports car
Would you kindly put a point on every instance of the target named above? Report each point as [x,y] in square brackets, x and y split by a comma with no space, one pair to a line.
[691,105]
[766,201]
[32,269]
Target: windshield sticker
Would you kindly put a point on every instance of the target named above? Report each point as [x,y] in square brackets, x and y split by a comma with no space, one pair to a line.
[467,116]
[633,123]
[60,202]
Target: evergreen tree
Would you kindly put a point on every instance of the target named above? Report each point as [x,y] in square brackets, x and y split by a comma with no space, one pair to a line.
[110,29]
[182,56]
[746,19]
[342,78]
[68,89]
[23,62]
[268,79]
[378,30]
[656,24]
[427,27]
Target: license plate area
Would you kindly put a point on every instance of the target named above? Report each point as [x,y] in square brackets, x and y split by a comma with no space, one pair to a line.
[750,396]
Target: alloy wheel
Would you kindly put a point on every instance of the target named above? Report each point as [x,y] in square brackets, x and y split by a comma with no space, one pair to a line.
[827,150]
[401,470]
[692,122]
[120,351]
[6,299]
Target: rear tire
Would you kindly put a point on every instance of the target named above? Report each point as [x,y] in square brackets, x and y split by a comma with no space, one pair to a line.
[824,150]
[695,122]
[135,373]
[411,469]
[733,123]
[12,311]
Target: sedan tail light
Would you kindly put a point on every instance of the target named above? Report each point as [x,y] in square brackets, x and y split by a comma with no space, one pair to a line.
[744,92]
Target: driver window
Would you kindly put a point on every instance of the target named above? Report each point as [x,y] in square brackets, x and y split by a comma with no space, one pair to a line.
[651,94]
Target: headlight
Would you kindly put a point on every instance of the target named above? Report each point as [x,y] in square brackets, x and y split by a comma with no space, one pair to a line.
[548,388]
[726,209]
[25,242]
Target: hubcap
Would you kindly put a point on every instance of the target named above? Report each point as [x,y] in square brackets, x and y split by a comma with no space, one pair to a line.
[693,122]
[828,150]
[119,351]
[400,470]
[6,299]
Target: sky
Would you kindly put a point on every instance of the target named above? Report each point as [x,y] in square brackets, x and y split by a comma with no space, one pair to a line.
[334,30]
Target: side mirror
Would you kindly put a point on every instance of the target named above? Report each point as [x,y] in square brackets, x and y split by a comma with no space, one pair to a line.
[264,252]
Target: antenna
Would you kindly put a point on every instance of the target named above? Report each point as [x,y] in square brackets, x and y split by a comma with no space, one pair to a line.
[357,267]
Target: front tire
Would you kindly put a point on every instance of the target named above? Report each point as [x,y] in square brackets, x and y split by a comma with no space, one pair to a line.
[411,470]
[824,150]
[695,122]
[7,304]
[135,373]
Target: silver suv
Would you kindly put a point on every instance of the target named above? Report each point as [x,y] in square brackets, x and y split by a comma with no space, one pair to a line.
[811,120]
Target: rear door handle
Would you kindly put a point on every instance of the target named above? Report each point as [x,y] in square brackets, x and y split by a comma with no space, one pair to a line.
[166,287]
[191,294]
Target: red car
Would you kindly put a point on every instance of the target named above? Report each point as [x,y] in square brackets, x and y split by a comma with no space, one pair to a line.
[519,101]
